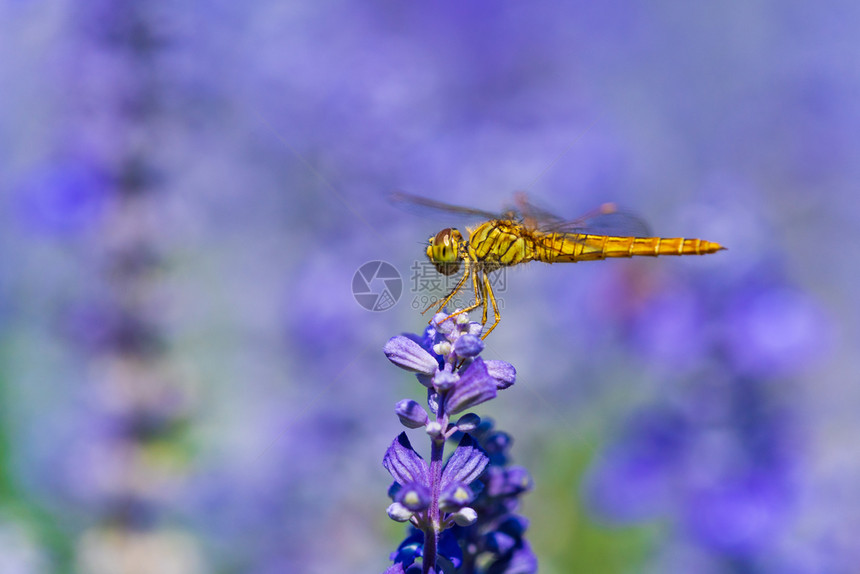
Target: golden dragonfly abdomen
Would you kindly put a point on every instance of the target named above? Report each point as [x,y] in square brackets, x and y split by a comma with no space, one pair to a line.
[573,247]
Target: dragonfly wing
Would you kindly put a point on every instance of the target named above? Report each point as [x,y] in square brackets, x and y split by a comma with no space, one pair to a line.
[613,223]
[605,220]
[411,202]
[534,217]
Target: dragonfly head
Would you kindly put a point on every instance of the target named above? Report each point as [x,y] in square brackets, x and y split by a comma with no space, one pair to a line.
[444,251]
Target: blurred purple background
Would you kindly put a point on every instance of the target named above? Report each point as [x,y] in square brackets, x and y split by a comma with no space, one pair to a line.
[187,384]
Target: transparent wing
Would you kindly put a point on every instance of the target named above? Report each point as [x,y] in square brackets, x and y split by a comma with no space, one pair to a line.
[416,203]
[615,223]
[533,216]
[605,220]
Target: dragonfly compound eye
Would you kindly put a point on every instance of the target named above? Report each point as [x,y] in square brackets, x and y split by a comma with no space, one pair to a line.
[444,251]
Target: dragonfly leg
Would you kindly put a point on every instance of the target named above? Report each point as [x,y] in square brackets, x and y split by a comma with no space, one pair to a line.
[483,299]
[496,315]
[475,286]
[478,299]
[453,292]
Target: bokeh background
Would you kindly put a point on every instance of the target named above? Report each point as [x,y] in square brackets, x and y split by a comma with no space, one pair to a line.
[187,384]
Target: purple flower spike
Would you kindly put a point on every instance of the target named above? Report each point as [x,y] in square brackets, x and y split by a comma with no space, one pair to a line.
[474,387]
[409,355]
[504,373]
[412,415]
[404,464]
[465,504]
[468,346]
[68,195]
[466,463]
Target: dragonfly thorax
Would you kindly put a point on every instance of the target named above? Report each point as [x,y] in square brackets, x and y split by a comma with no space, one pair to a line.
[444,251]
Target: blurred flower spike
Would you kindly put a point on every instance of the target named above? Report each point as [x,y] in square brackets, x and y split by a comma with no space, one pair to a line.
[63,197]
[461,511]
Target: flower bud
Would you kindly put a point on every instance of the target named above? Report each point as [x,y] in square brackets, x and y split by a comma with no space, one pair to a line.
[468,346]
[444,380]
[468,422]
[434,429]
[475,329]
[443,348]
[466,516]
[398,512]
[412,415]
[443,324]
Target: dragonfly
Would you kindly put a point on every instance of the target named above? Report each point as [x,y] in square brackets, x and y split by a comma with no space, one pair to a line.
[529,233]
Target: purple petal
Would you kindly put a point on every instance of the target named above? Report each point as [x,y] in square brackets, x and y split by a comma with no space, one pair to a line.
[500,543]
[504,373]
[498,444]
[411,548]
[468,346]
[455,496]
[466,463]
[449,547]
[409,355]
[474,387]
[414,496]
[404,464]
